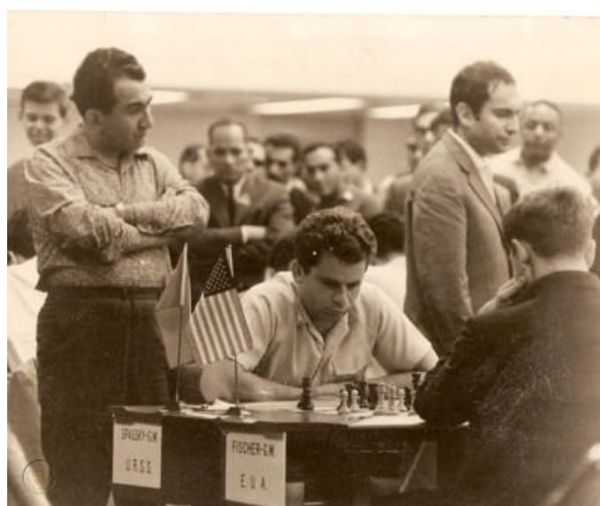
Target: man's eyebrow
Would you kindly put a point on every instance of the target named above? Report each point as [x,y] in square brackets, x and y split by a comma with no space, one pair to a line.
[140,103]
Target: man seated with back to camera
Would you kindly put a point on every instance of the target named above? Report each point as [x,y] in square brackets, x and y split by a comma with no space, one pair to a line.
[525,371]
[320,321]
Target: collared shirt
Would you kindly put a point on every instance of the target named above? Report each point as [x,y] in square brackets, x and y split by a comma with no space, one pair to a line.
[480,163]
[554,172]
[374,334]
[79,238]
[238,191]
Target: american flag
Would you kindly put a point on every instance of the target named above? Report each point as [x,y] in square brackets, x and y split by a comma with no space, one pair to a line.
[218,327]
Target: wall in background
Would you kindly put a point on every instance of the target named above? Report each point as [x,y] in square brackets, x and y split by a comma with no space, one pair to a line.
[176,126]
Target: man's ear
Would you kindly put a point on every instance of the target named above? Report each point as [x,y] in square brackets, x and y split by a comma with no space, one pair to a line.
[464,114]
[93,117]
[590,253]
[523,258]
[297,271]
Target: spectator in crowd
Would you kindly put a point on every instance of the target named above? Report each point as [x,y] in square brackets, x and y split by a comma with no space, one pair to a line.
[396,188]
[524,372]
[353,163]
[594,172]
[536,164]
[325,183]
[193,163]
[388,270]
[103,208]
[283,158]
[258,156]
[43,113]
[281,256]
[441,123]
[283,165]
[456,251]
[321,321]
[246,210]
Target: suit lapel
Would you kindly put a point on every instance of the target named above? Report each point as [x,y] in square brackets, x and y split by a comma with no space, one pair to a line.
[464,161]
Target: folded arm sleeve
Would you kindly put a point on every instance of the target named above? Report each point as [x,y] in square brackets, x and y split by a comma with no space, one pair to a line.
[59,203]
[179,204]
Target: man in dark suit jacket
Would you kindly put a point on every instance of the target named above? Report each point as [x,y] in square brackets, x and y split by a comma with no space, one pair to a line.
[456,255]
[525,371]
[247,211]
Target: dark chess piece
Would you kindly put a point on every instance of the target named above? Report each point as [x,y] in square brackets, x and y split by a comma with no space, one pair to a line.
[417,380]
[363,395]
[408,398]
[306,403]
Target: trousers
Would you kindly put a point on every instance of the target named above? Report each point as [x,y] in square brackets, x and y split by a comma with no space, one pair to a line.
[93,352]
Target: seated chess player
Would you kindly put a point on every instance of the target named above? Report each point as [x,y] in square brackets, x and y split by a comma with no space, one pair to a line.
[525,371]
[320,320]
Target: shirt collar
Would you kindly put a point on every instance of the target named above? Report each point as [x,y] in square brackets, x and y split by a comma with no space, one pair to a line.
[479,161]
[237,186]
[81,147]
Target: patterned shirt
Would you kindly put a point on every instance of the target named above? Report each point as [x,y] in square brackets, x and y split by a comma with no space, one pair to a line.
[80,239]
[374,335]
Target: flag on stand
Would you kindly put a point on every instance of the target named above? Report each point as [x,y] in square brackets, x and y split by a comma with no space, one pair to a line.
[173,313]
[218,328]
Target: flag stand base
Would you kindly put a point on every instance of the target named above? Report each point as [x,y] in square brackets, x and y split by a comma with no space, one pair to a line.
[234,411]
[174,405]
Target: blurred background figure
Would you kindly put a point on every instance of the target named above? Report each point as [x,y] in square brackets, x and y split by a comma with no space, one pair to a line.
[193,163]
[43,112]
[283,159]
[388,269]
[353,162]
[258,156]
[536,165]
[430,123]
[594,172]
[326,186]
[281,256]
[247,210]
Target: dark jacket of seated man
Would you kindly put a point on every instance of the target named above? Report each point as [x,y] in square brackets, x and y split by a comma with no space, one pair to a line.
[526,374]
[319,322]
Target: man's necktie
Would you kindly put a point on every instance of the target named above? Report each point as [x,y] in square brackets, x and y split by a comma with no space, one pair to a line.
[230,205]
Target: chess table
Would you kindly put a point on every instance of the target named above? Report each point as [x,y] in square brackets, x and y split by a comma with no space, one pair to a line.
[338,448]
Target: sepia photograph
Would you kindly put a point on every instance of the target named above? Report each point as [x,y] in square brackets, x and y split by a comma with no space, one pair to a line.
[299,258]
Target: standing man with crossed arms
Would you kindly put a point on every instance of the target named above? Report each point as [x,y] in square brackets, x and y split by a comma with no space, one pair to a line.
[103,210]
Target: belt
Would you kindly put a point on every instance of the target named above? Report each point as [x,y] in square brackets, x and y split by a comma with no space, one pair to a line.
[104,292]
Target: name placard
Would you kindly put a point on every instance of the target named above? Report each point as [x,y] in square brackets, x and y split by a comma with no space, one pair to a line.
[255,468]
[137,454]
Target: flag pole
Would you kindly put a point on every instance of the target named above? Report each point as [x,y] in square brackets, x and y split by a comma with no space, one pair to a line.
[234,410]
[175,405]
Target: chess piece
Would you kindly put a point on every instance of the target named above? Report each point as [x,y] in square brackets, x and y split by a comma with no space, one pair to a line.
[381,408]
[354,400]
[408,398]
[372,395]
[393,402]
[401,399]
[343,408]
[363,395]
[417,380]
[306,403]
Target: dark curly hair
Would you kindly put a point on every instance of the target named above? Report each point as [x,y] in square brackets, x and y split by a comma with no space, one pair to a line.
[342,232]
